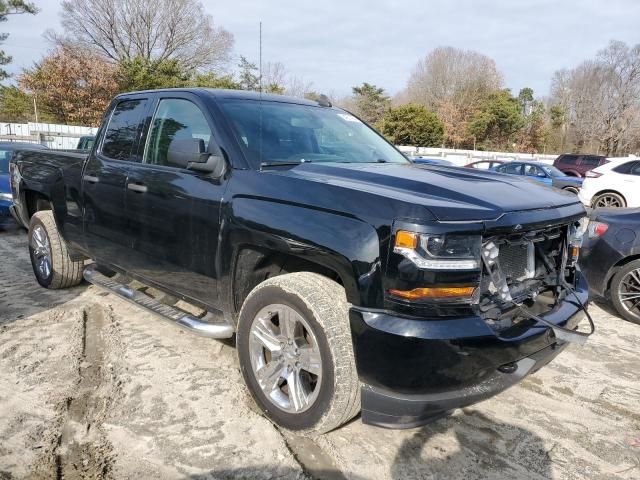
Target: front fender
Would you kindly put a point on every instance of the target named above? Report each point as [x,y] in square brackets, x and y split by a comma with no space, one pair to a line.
[345,245]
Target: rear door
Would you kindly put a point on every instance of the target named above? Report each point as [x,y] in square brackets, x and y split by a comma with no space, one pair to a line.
[173,212]
[104,181]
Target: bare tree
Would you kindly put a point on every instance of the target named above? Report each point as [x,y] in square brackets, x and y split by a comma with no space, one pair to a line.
[298,87]
[447,73]
[274,74]
[453,83]
[601,100]
[152,30]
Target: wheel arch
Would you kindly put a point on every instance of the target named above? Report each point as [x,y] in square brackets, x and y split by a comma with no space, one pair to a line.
[254,264]
[270,238]
[615,268]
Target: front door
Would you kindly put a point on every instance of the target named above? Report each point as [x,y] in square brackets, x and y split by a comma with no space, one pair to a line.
[174,212]
[104,181]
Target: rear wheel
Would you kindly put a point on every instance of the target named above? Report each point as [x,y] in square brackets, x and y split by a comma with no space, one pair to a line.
[295,352]
[53,266]
[625,291]
[609,200]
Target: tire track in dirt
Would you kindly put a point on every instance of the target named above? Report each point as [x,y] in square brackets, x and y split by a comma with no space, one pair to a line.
[78,445]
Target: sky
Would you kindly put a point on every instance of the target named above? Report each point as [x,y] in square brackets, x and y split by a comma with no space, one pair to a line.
[337,44]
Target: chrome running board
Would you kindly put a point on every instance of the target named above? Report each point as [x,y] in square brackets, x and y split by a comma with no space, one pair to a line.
[188,322]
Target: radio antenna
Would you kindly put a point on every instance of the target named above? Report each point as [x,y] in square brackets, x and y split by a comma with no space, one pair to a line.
[260,57]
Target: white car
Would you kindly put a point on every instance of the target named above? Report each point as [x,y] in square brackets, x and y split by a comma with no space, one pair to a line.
[614,184]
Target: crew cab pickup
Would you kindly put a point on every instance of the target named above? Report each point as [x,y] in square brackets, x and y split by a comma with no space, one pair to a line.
[352,279]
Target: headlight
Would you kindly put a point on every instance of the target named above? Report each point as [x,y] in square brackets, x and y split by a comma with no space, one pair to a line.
[439,252]
[6,196]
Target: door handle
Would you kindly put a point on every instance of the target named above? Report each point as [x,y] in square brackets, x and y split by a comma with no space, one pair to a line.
[90,179]
[135,187]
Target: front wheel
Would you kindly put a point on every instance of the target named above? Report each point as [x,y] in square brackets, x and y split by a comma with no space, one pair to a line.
[52,264]
[295,352]
[625,291]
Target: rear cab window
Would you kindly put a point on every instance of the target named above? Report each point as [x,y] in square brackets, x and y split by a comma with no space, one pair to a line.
[120,138]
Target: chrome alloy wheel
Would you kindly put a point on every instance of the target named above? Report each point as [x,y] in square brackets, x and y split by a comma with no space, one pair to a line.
[629,292]
[285,358]
[606,200]
[39,243]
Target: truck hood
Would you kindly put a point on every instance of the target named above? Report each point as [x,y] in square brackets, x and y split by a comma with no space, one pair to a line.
[449,193]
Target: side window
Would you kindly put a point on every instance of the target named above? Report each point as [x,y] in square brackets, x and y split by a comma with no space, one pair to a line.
[512,168]
[531,170]
[590,161]
[175,119]
[5,156]
[635,170]
[569,159]
[627,168]
[122,132]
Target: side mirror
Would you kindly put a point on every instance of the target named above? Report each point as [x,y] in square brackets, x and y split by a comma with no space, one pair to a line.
[191,153]
[183,151]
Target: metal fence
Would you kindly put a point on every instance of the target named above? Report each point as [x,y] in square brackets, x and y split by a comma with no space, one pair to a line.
[463,157]
[49,134]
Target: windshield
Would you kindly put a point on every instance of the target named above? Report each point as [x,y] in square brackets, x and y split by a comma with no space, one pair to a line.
[552,171]
[287,132]
[5,155]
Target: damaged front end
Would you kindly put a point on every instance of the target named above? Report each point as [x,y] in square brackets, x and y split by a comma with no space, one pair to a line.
[525,276]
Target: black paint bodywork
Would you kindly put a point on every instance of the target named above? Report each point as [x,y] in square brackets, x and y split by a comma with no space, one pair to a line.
[602,257]
[190,232]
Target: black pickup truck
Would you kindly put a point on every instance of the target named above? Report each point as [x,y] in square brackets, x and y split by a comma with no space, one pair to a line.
[352,279]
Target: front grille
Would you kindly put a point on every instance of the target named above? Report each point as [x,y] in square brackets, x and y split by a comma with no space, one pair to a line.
[514,260]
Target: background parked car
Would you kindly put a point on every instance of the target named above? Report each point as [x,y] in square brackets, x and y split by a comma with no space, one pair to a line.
[577,165]
[610,259]
[430,161]
[542,173]
[86,142]
[6,151]
[485,164]
[614,185]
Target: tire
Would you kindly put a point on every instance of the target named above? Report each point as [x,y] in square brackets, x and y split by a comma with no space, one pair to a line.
[609,200]
[571,190]
[318,308]
[627,281]
[50,259]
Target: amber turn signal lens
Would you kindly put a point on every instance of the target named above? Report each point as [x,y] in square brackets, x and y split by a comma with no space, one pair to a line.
[575,252]
[433,293]
[406,239]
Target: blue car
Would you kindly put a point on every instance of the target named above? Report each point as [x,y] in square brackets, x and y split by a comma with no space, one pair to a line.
[543,173]
[6,152]
[430,161]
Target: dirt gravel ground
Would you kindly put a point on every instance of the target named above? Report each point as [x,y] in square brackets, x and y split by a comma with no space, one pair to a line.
[92,387]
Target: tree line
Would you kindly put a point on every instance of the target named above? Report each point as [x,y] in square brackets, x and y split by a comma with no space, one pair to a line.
[453,98]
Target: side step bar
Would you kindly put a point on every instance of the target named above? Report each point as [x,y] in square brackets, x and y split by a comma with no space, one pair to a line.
[174,315]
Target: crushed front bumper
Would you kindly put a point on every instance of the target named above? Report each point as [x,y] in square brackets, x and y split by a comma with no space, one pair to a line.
[414,370]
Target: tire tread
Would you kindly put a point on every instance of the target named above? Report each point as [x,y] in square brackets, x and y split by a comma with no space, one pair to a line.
[66,272]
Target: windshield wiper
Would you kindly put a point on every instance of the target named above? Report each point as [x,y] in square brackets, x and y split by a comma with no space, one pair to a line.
[283,163]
